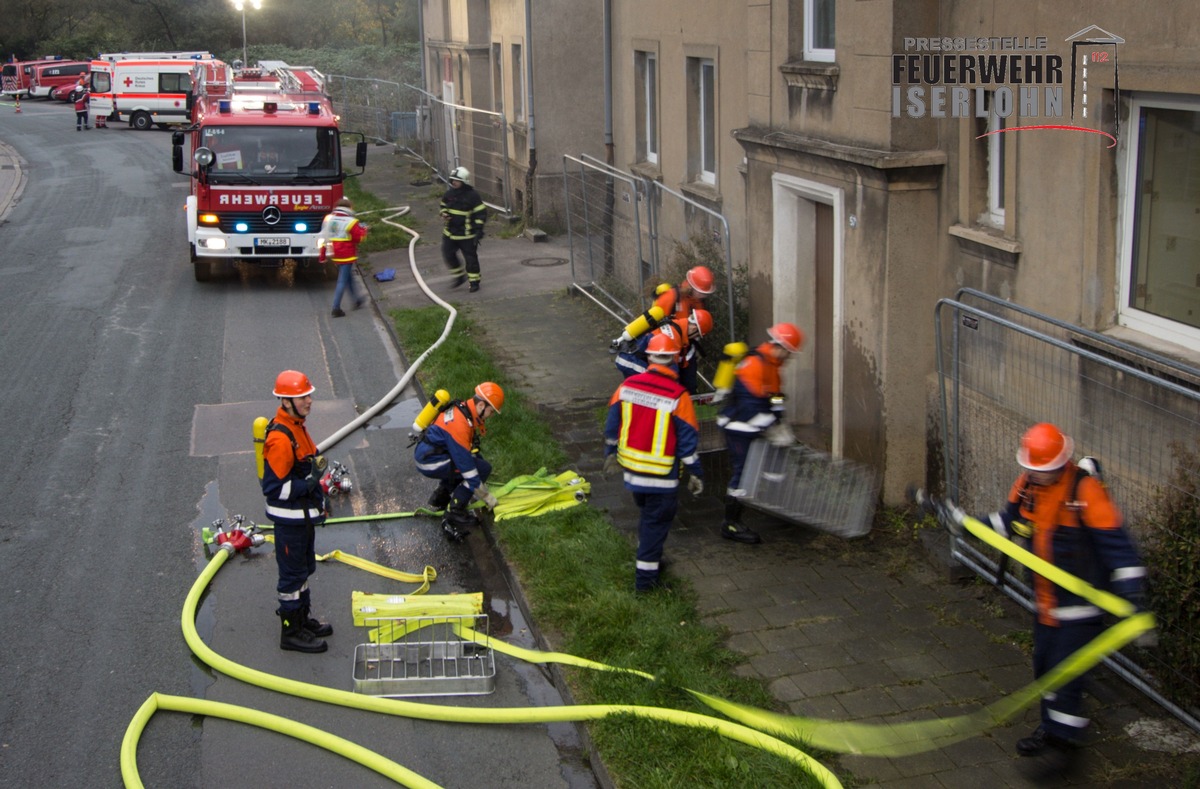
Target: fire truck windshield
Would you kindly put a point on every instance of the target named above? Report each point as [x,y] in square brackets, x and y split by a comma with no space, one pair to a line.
[273,154]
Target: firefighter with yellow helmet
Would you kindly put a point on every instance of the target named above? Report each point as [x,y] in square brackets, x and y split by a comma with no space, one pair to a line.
[448,451]
[291,483]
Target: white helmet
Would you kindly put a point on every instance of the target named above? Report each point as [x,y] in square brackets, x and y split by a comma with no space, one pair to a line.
[460,174]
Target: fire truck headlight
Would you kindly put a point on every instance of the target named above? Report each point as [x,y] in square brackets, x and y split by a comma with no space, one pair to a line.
[301,227]
[241,227]
[204,156]
[211,243]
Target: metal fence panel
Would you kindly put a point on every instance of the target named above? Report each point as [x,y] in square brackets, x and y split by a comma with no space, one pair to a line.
[441,134]
[1002,368]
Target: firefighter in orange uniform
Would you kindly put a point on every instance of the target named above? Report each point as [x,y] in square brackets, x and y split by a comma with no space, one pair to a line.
[755,410]
[650,432]
[449,451]
[676,303]
[1065,510]
[296,505]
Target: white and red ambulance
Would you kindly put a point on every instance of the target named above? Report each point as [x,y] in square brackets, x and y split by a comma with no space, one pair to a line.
[143,89]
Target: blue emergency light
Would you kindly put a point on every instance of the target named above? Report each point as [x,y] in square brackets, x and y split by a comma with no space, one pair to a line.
[314,108]
[301,227]
[241,227]
[224,106]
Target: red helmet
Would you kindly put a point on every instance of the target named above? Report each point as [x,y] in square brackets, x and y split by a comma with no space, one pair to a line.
[1044,448]
[491,394]
[701,280]
[662,345]
[291,383]
[788,335]
[702,320]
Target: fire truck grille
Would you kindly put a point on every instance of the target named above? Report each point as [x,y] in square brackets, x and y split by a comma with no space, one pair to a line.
[255,224]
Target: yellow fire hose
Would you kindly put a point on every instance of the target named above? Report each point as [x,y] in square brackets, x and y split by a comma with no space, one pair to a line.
[432,712]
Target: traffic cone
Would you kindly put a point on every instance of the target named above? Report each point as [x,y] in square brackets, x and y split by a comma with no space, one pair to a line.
[18,102]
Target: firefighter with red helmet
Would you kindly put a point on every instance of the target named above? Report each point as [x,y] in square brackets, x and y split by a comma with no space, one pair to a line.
[1063,509]
[753,410]
[291,483]
[651,431]
[672,303]
[631,357]
[448,450]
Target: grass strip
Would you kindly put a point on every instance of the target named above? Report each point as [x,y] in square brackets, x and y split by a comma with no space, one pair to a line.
[382,236]
[577,573]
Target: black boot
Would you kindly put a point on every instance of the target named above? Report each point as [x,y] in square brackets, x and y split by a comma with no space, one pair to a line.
[439,499]
[294,637]
[314,625]
[457,522]
[732,528]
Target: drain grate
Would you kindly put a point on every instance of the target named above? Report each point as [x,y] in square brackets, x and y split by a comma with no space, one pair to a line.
[543,262]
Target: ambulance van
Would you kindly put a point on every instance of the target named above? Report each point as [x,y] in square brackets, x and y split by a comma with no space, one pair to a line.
[143,92]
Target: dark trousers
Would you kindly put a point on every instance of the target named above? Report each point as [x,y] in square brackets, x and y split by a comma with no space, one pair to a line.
[1062,710]
[81,119]
[452,481]
[470,255]
[657,513]
[738,445]
[296,558]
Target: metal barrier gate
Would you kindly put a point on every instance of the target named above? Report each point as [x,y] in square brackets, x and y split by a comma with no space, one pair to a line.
[627,233]
[441,134]
[1001,368]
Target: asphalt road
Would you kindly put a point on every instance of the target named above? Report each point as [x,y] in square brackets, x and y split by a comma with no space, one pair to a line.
[128,392]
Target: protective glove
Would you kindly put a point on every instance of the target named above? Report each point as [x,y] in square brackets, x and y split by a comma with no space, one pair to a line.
[720,396]
[611,465]
[949,514]
[780,435]
[483,494]
[695,485]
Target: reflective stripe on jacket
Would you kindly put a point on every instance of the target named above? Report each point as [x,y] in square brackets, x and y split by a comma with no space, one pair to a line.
[465,213]
[1086,537]
[652,427]
[344,233]
[290,500]
[749,409]
[449,442]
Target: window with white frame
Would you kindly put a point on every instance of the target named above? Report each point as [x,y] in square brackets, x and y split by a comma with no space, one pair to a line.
[1160,270]
[819,30]
[518,84]
[702,120]
[995,164]
[646,115]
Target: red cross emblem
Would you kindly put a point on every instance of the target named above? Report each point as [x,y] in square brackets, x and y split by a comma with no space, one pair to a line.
[128,81]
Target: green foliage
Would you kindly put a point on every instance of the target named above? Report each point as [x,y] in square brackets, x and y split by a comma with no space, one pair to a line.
[1171,546]
[577,572]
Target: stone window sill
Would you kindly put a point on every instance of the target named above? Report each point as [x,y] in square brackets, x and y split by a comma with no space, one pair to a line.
[810,75]
[988,244]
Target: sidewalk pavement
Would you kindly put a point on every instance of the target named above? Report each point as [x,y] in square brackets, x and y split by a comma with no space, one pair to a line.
[872,630]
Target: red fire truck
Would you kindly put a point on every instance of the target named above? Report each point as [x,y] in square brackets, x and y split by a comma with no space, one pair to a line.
[266,165]
[16,74]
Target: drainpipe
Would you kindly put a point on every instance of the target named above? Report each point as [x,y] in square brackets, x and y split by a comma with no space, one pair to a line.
[421,37]
[609,153]
[531,173]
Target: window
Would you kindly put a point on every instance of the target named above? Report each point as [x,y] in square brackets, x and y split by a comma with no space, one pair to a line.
[497,80]
[819,30]
[518,84]
[174,83]
[702,120]
[1160,277]
[995,164]
[646,116]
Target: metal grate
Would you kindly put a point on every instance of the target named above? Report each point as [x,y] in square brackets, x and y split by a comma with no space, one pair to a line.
[428,658]
[802,485]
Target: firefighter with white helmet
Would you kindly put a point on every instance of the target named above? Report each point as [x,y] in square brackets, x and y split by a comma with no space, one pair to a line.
[650,432]
[755,409]
[291,483]
[464,215]
[448,450]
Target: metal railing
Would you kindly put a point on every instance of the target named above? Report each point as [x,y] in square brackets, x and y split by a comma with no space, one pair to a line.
[1003,367]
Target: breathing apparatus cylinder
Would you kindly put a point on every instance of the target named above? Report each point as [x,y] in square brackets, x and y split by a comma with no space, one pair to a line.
[436,404]
[260,439]
[645,322]
[730,356]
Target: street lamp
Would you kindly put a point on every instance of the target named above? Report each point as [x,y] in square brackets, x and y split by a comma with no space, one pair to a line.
[240,5]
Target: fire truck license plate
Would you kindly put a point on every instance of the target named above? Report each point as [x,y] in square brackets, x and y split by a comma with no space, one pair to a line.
[272,242]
